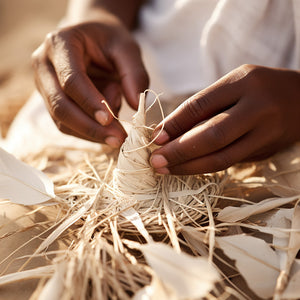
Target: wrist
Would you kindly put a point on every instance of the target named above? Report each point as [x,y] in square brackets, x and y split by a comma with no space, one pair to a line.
[108,11]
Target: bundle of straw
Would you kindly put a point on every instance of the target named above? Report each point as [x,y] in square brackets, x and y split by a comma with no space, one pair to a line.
[131,233]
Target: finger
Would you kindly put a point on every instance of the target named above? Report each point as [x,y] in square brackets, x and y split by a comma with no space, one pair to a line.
[222,159]
[201,106]
[69,131]
[109,87]
[112,92]
[271,147]
[130,67]
[208,137]
[111,141]
[69,64]
[87,128]
[71,116]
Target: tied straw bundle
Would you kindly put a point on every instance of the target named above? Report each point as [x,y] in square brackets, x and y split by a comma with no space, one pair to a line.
[160,199]
[131,233]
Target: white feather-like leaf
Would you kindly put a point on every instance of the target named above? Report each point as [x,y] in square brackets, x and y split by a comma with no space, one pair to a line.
[134,217]
[256,261]
[21,183]
[293,288]
[45,271]
[288,256]
[188,276]
[282,172]
[234,214]
[65,225]
[54,287]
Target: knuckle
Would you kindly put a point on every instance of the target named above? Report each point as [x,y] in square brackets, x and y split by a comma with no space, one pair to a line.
[180,170]
[87,106]
[247,68]
[177,155]
[191,111]
[92,132]
[38,57]
[68,80]
[62,38]
[254,75]
[52,39]
[59,126]
[62,128]
[35,59]
[174,127]
[222,160]
[217,136]
[196,106]
[57,107]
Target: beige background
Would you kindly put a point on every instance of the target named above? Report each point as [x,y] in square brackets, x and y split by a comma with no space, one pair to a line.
[23,26]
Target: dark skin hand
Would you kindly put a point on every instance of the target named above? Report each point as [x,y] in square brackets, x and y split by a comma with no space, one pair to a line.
[79,66]
[247,115]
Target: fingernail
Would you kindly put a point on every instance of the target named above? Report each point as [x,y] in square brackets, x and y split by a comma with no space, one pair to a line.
[113,142]
[163,171]
[160,136]
[158,161]
[101,117]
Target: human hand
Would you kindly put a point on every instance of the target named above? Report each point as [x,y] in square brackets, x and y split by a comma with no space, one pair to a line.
[79,66]
[247,115]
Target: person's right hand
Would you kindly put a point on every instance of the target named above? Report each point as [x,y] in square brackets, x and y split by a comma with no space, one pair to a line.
[79,66]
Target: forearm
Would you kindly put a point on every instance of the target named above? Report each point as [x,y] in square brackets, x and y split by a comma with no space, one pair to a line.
[111,10]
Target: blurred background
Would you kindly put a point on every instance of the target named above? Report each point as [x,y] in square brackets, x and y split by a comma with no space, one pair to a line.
[23,26]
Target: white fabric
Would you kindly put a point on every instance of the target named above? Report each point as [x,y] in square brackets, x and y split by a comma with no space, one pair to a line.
[189,44]
[33,129]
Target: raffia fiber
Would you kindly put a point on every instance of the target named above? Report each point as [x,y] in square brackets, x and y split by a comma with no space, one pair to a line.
[96,191]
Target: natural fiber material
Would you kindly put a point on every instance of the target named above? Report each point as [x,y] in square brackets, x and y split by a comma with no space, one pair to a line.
[117,213]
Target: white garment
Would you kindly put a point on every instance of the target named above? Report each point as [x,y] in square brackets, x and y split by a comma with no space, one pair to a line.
[33,130]
[189,44]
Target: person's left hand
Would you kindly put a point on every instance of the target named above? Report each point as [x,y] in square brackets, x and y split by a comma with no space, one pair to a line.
[247,115]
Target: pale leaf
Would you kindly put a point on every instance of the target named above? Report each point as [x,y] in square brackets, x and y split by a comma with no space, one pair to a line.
[281,219]
[233,214]
[156,290]
[54,286]
[288,256]
[39,272]
[282,172]
[276,223]
[192,237]
[294,242]
[292,290]
[255,260]
[188,276]
[21,183]
[134,217]
[286,239]
[65,225]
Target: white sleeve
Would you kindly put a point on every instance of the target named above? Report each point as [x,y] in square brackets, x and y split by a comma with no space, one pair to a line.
[188,44]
